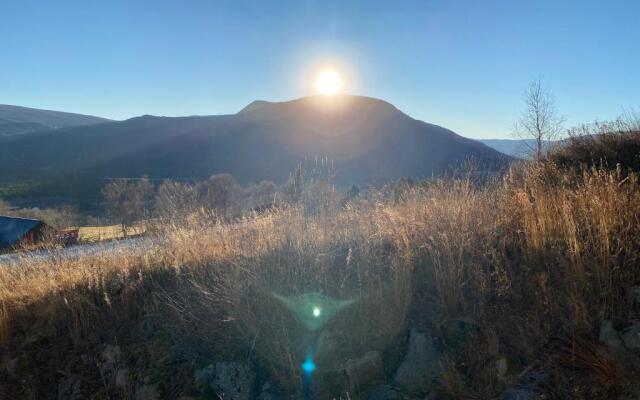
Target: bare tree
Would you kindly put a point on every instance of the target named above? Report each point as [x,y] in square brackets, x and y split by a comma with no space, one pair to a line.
[128,200]
[176,199]
[539,120]
[218,192]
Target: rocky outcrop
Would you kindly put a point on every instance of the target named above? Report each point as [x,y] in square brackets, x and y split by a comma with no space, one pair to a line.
[420,371]
[631,336]
[384,392]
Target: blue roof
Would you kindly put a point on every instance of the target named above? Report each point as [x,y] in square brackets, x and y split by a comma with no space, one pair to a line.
[12,229]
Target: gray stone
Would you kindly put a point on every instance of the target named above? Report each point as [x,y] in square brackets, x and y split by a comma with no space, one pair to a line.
[148,392]
[384,392]
[609,336]
[365,370]
[70,388]
[420,370]
[234,380]
[631,336]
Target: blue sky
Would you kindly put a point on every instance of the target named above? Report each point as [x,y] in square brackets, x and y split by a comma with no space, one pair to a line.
[460,64]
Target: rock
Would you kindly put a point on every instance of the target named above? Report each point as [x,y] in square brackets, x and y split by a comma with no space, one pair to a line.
[631,336]
[420,370]
[609,335]
[234,380]
[365,370]
[384,392]
[70,388]
[148,392]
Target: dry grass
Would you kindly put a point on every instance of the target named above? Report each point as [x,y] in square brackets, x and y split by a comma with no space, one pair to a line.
[109,232]
[526,259]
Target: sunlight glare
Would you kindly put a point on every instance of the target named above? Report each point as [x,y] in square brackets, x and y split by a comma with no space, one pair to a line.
[328,83]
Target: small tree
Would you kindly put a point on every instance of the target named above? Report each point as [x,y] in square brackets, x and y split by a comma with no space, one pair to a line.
[176,199]
[128,200]
[539,120]
[218,192]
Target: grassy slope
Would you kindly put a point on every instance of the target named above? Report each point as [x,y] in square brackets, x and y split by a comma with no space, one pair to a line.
[536,262]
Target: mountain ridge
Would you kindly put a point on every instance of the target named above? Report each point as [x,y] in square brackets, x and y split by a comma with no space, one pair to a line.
[370,140]
[19,120]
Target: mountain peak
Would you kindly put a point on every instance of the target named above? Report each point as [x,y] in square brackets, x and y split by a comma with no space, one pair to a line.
[341,103]
[255,105]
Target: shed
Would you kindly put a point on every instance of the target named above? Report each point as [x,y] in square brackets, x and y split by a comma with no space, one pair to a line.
[16,231]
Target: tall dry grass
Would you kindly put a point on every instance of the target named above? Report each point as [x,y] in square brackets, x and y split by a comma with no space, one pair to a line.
[539,256]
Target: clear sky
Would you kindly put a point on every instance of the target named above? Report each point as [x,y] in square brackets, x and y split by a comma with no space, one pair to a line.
[460,64]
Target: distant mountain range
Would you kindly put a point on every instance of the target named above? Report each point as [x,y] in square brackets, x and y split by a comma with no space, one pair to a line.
[15,120]
[369,140]
[519,148]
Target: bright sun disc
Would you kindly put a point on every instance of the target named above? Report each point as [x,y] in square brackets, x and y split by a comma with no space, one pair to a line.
[328,83]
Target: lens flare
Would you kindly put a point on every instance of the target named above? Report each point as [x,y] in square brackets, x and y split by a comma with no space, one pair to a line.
[316,311]
[308,366]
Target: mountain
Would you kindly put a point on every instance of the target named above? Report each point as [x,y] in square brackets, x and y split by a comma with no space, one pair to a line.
[519,148]
[369,140]
[15,120]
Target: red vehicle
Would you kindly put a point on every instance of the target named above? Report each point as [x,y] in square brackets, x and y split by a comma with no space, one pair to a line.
[67,237]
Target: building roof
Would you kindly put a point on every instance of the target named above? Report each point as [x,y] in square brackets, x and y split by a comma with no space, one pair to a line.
[12,229]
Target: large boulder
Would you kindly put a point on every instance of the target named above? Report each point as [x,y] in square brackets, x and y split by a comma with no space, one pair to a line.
[631,336]
[609,336]
[622,346]
[420,371]
[363,371]
[384,392]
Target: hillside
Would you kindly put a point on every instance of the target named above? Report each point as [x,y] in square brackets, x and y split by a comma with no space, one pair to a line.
[368,139]
[520,148]
[15,120]
[524,290]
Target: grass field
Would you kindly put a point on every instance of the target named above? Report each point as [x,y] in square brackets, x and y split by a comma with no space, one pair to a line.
[533,263]
[109,232]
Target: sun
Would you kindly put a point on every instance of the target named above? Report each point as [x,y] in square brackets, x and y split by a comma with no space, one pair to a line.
[328,82]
